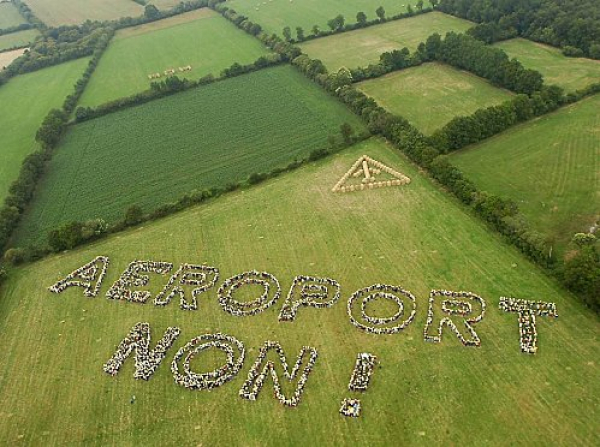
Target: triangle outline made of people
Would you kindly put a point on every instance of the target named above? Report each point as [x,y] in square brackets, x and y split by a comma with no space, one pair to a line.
[370,169]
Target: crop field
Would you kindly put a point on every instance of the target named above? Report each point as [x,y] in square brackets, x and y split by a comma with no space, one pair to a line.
[18,39]
[550,167]
[432,94]
[274,15]
[10,16]
[414,236]
[73,12]
[202,39]
[25,100]
[207,137]
[568,72]
[164,4]
[6,57]
[362,47]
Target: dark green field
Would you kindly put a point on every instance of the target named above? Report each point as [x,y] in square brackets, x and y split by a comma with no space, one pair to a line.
[55,392]
[202,138]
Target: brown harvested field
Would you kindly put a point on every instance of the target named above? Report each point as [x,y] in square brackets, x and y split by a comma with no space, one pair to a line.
[73,12]
[164,4]
[7,57]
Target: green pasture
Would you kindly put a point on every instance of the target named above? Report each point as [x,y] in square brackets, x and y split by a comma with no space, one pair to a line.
[202,39]
[26,99]
[18,39]
[202,138]
[363,47]
[550,167]
[274,15]
[74,12]
[432,94]
[567,72]
[10,16]
[55,392]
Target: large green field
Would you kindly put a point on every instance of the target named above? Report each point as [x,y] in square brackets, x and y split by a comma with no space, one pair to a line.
[18,39]
[206,137]
[432,94]
[73,12]
[362,47]
[202,39]
[55,392]
[568,72]
[10,16]
[26,99]
[550,167]
[274,15]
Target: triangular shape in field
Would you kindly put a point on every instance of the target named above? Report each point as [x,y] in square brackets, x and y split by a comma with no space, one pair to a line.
[367,173]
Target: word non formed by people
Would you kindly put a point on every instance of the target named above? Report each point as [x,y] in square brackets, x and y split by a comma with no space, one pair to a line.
[458,311]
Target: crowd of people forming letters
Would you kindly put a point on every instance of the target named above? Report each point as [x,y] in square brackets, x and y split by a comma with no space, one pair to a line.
[527,311]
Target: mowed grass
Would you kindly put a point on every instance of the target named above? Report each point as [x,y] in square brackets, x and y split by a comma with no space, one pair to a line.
[202,138]
[74,12]
[10,16]
[25,100]
[202,39]
[18,39]
[550,167]
[55,392]
[567,72]
[363,47]
[432,94]
[274,15]
[6,57]
[164,4]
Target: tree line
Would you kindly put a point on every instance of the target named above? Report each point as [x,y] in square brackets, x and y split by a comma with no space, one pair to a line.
[573,25]
[338,24]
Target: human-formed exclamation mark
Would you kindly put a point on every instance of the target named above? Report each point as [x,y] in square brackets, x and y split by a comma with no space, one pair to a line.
[359,381]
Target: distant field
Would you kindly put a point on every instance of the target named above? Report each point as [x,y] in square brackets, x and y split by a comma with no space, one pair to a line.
[422,394]
[6,57]
[25,100]
[73,12]
[202,138]
[432,94]
[202,39]
[568,72]
[274,15]
[10,16]
[363,47]
[550,167]
[164,4]
[18,39]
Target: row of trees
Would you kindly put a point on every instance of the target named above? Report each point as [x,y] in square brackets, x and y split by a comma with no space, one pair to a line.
[338,24]
[173,84]
[48,136]
[573,25]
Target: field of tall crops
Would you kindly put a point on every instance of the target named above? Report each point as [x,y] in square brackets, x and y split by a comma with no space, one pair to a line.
[203,138]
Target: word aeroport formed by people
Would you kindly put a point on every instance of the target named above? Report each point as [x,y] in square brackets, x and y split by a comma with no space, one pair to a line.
[459,311]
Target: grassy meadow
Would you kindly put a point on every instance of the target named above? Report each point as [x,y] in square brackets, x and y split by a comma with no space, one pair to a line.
[10,16]
[202,39]
[550,167]
[26,99]
[164,4]
[74,12]
[55,392]
[274,15]
[202,138]
[432,94]
[6,57]
[362,47]
[18,39]
[567,72]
